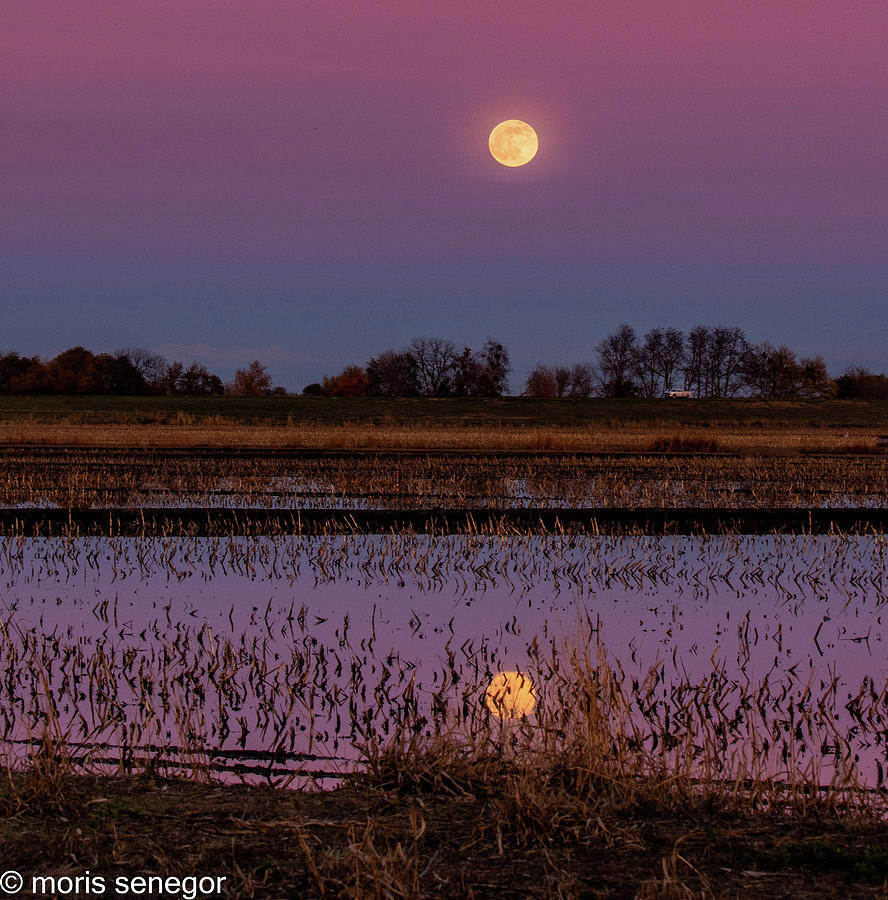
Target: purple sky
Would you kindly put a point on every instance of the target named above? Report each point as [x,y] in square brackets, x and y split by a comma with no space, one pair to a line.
[309,183]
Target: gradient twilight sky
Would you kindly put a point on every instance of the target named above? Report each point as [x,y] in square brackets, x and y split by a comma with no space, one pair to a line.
[309,182]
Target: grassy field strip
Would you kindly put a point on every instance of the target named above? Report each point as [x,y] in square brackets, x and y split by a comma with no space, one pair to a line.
[750,439]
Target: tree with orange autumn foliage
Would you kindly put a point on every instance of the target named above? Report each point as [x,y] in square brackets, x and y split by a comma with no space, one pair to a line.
[350,382]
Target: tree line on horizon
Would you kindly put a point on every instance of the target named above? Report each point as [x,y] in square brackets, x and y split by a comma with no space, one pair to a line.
[133,371]
[708,361]
[428,367]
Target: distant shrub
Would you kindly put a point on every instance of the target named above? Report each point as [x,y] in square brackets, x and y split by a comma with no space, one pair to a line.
[254,381]
[861,384]
[677,444]
[350,382]
[858,448]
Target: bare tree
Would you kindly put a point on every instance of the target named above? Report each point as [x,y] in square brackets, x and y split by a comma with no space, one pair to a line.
[671,356]
[646,366]
[562,380]
[696,348]
[151,366]
[695,365]
[616,363]
[582,380]
[435,364]
[728,349]
[549,381]
[541,382]
[715,362]
[774,373]
[771,372]
[392,374]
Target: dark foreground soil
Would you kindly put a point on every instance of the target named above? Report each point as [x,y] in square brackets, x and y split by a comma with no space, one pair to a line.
[364,842]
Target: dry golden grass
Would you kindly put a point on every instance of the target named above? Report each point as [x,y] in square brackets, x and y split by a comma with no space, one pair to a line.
[372,844]
[561,774]
[192,432]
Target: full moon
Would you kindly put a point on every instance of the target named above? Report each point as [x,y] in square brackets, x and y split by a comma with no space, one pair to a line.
[510,695]
[513,143]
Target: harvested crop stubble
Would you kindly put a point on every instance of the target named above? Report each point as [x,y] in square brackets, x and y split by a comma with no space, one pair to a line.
[114,478]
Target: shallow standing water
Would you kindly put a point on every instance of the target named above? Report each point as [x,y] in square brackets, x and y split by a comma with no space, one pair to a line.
[265,657]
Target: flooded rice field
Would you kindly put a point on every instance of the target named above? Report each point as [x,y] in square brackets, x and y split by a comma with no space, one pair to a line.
[290,480]
[285,658]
